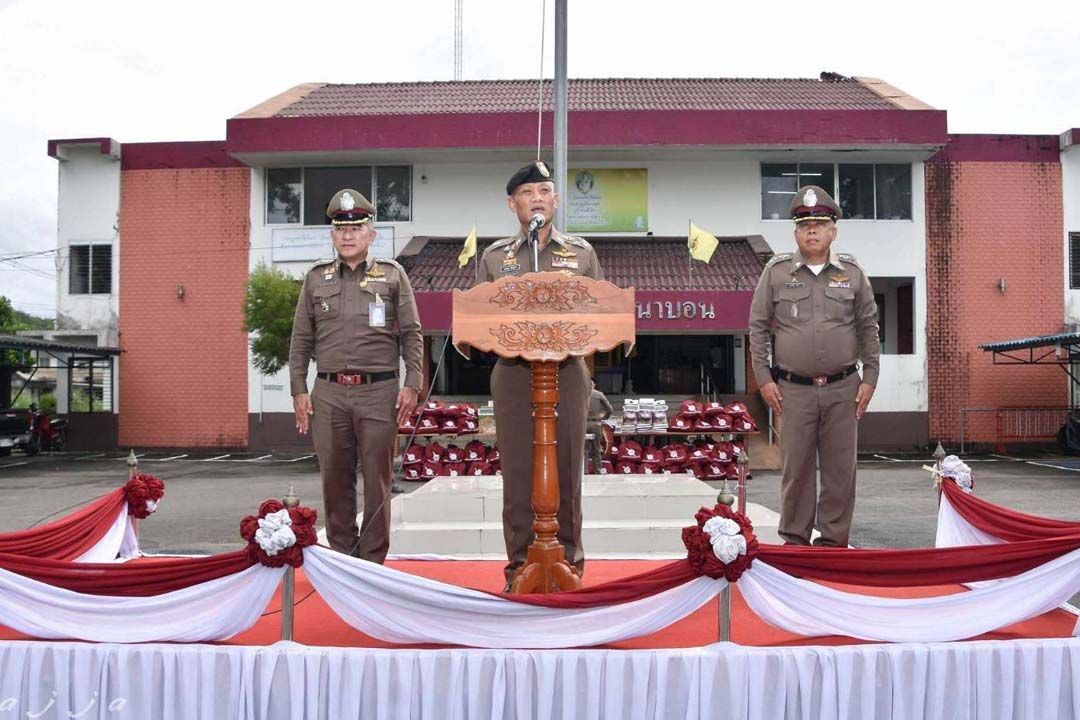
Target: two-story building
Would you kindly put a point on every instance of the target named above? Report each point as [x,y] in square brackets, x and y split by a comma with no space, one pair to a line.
[647,157]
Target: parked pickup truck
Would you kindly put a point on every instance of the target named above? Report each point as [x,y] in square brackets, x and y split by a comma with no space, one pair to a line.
[16,428]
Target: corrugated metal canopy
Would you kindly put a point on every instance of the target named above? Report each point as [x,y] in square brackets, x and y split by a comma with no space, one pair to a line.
[18,342]
[1033,342]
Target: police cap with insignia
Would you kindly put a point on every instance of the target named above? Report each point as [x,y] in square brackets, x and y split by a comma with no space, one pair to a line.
[533,172]
[349,207]
[813,203]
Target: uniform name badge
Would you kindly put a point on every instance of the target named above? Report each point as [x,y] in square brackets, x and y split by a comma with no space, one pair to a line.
[377,312]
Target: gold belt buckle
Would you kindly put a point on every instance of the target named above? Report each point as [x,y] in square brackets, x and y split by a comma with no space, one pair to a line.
[821,380]
[350,379]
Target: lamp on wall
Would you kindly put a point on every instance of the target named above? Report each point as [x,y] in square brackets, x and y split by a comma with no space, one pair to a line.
[1001,285]
[180,292]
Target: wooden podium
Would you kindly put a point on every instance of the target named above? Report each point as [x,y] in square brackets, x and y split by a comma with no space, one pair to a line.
[544,318]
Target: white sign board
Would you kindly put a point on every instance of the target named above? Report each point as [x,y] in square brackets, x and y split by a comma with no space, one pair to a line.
[308,244]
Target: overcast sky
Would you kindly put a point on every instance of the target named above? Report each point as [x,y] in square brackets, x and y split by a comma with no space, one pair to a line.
[150,71]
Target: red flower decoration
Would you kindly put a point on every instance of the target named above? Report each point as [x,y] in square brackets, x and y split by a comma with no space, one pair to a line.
[303,526]
[699,549]
[138,490]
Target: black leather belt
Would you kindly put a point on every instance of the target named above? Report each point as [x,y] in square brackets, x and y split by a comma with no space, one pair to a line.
[819,380]
[357,378]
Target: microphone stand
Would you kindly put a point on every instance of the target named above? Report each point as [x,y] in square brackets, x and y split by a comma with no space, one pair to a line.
[535,241]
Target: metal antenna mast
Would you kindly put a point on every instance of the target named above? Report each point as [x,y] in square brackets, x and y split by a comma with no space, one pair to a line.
[458,40]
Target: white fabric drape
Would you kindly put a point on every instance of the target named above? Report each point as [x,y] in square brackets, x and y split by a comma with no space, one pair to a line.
[402,608]
[212,610]
[1018,679]
[813,610]
[954,531]
[118,544]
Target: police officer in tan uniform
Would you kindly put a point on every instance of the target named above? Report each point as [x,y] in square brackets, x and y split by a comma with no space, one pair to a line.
[531,191]
[356,315]
[815,310]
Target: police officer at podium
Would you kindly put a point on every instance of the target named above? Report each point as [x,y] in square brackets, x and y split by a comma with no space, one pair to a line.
[531,193]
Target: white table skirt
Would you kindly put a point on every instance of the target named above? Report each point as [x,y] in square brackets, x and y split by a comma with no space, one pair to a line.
[1034,679]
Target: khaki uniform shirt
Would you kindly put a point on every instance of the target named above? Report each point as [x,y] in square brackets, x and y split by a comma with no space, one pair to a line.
[513,256]
[334,324]
[815,324]
[599,406]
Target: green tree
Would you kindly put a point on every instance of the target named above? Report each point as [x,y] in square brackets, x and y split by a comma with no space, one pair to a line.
[269,305]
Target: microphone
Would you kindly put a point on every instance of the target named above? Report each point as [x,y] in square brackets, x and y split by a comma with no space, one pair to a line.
[536,222]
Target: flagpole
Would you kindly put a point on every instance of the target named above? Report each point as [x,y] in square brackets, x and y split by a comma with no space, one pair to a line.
[689,257]
[476,257]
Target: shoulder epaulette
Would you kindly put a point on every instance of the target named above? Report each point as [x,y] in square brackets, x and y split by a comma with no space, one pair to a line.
[501,243]
[779,257]
[391,261]
[320,263]
[848,258]
[575,240]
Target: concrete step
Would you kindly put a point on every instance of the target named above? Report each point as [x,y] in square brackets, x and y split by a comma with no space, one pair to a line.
[624,516]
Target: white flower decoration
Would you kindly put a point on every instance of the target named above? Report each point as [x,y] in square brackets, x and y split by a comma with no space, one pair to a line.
[728,542]
[151,506]
[958,470]
[275,532]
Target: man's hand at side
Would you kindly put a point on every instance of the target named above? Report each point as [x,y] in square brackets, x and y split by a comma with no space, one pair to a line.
[770,393]
[303,410]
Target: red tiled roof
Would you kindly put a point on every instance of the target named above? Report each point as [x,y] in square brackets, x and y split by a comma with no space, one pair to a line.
[601,94]
[656,263]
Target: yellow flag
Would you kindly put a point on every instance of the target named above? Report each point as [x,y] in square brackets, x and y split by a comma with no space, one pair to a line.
[468,249]
[702,245]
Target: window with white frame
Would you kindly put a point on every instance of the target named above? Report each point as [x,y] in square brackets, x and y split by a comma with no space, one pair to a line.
[1074,261]
[864,191]
[298,196]
[90,269]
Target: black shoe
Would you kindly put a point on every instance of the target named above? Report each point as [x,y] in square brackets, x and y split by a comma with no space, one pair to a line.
[506,588]
[395,488]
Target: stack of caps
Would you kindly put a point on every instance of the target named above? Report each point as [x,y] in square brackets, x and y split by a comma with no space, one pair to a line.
[712,417]
[704,458]
[424,462]
[438,418]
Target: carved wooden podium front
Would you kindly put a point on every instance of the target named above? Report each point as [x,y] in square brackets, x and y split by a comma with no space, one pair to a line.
[544,318]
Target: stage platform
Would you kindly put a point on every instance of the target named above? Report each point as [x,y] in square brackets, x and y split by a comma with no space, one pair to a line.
[1027,670]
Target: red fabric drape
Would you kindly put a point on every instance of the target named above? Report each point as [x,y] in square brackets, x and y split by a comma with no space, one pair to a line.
[623,590]
[1003,523]
[141,578]
[70,536]
[923,566]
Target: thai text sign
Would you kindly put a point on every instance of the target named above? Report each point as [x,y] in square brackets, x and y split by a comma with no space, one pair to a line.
[607,200]
[692,309]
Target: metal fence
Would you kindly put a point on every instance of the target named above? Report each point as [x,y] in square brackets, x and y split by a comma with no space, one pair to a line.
[1017,423]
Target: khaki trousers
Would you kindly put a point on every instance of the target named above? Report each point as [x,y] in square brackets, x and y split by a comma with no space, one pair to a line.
[818,429]
[356,422]
[511,389]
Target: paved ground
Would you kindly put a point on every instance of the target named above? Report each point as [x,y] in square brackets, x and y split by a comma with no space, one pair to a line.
[208,494]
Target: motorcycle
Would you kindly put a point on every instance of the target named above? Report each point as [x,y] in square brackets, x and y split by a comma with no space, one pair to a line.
[46,433]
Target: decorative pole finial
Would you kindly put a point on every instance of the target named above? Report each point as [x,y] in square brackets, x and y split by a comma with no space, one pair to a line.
[725,497]
[291,499]
[939,453]
[132,463]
